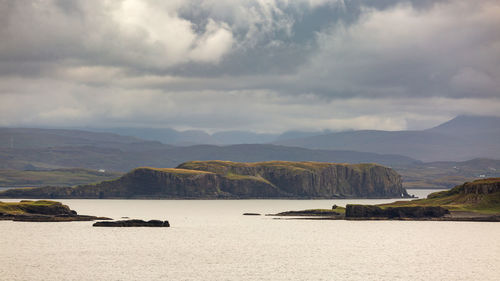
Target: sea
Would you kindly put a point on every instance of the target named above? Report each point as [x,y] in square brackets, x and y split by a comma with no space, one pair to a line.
[212,240]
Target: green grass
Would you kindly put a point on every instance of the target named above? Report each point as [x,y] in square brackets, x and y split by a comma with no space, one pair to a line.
[315,212]
[487,181]
[18,208]
[59,177]
[340,210]
[219,166]
[175,171]
[229,175]
[233,176]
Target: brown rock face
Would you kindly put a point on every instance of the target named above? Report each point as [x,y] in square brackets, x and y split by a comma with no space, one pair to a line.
[473,192]
[482,186]
[314,179]
[224,179]
[372,211]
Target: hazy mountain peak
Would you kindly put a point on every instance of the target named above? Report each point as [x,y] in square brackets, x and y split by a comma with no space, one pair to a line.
[470,122]
[462,138]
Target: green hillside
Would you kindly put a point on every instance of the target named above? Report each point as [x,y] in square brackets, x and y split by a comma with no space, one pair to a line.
[481,196]
[59,177]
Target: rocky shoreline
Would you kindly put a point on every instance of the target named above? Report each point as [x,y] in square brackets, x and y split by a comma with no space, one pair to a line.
[50,218]
[370,212]
[476,201]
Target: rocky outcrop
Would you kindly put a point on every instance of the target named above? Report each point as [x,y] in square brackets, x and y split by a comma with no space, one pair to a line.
[474,191]
[224,179]
[372,211]
[312,213]
[41,211]
[133,223]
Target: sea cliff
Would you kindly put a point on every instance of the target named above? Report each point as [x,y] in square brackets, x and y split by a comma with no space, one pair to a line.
[225,179]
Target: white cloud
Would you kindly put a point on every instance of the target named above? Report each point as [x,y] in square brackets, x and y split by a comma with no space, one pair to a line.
[213,44]
[404,52]
[263,65]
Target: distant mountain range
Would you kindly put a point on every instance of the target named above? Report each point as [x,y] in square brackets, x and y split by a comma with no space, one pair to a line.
[460,139]
[194,137]
[127,157]
[463,138]
[35,138]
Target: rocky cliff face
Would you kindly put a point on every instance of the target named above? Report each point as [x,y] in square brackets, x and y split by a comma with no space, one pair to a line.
[224,179]
[373,211]
[314,179]
[486,186]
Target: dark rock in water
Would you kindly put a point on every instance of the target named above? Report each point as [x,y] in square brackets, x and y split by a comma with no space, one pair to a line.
[251,214]
[371,211]
[133,223]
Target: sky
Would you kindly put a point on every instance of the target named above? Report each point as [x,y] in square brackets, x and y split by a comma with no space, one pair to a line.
[266,66]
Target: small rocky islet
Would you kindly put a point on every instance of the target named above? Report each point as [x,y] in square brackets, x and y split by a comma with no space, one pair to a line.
[133,223]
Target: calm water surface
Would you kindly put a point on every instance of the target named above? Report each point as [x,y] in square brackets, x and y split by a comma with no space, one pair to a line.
[211,240]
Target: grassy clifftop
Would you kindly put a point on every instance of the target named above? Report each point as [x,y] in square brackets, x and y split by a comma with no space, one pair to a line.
[40,207]
[174,171]
[222,166]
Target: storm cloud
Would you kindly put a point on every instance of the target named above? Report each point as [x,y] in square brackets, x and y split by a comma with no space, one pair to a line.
[265,66]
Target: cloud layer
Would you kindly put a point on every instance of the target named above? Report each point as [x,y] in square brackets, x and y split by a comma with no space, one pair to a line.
[262,65]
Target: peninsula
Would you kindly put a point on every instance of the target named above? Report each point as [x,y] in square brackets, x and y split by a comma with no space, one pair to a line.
[235,180]
[472,201]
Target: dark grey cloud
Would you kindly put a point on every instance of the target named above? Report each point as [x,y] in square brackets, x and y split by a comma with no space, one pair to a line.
[260,65]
